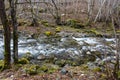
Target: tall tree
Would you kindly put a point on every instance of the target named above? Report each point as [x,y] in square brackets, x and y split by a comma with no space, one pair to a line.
[7,35]
[13,7]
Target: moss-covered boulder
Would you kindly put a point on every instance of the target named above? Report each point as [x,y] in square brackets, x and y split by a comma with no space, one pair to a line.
[28,56]
[31,69]
[23,61]
[48,68]
[74,23]
[58,29]
[48,33]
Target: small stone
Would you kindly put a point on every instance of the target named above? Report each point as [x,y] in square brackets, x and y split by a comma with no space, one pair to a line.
[41,57]
[88,53]
[82,75]
[63,71]
[11,76]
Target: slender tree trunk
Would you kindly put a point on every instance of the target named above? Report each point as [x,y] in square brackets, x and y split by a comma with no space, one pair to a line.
[15,31]
[7,35]
[57,17]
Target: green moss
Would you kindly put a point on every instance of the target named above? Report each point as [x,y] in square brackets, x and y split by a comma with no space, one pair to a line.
[28,56]
[58,29]
[47,68]
[60,63]
[118,31]
[23,61]
[103,76]
[84,67]
[74,23]
[42,10]
[17,66]
[71,63]
[45,23]
[71,22]
[22,22]
[1,65]
[31,69]
[48,33]
[97,69]
[38,29]
[43,68]
[94,32]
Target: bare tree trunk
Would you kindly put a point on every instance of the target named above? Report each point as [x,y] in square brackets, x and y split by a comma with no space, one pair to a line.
[100,9]
[15,32]
[57,17]
[90,9]
[7,35]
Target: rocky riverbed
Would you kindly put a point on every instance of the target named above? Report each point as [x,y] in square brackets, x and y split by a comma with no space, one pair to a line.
[66,46]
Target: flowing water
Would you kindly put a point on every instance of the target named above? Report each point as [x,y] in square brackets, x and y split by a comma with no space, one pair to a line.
[64,45]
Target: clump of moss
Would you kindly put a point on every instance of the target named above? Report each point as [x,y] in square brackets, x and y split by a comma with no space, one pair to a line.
[31,69]
[17,66]
[23,61]
[94,32]
[28,56]
[1,64]
[118,31]
[60,63]
[47,68]
[38,29]
[58,29]
[71,63]
[42,10]
[48,33]
[71,22]
[22,22]
[45,23]
[97,69]
[74,23]
[43,68]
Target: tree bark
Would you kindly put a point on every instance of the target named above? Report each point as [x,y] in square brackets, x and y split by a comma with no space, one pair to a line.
[7,35]
[15,31]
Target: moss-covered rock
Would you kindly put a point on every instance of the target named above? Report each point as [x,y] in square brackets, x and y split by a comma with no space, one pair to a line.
[48,68]
[97,69]
[45,23]
[60,63]
[31,69]
[23,61]
[71,22]
[48,33]
[74,23]
[58,29]
[28,56]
